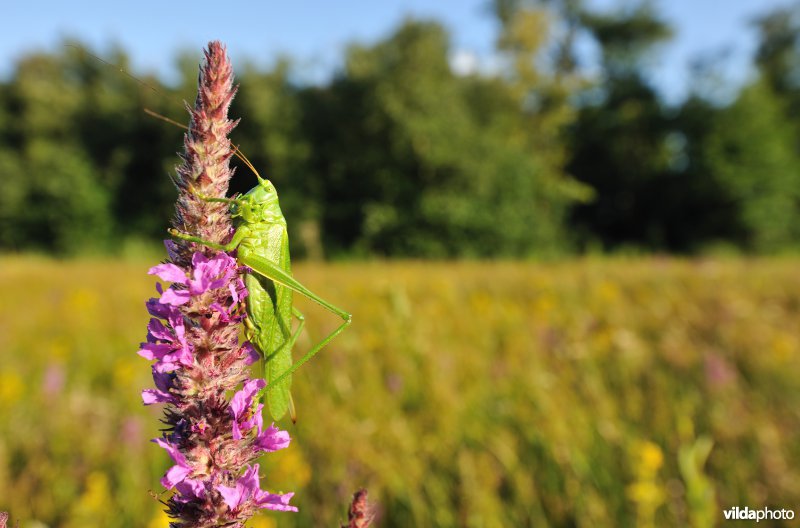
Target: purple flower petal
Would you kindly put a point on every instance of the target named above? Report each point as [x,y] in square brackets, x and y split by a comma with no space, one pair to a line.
[223,313]
[224,279]
[256,421]
[247,488]
[175,475]
[176,351]
[198,260]
[272,439]
[237,432]
[171,449]
[231,496]
[252,353]
[241,403]
[180,470]
[156,309]
[169,273]
[247,425]
[163,381]
[190,489]
[243,490]
[243,399]
[161,394]
[175,297]
[168,355]
[154,350]
[200,274]
[175,319]
[172,249]
[206,273]
[151,396]
[174,361]
[238,290]
[211,274]
[273,501]
[156,330]
[249,478]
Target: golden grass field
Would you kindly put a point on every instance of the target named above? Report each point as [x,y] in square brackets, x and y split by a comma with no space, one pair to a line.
[589,393]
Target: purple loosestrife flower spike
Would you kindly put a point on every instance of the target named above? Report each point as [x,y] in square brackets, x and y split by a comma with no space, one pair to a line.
[361,513]
[214,431]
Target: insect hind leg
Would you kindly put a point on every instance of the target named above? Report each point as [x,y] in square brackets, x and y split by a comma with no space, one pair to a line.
[308,355]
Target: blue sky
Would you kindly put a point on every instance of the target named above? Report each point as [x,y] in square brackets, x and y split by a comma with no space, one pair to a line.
[316,32]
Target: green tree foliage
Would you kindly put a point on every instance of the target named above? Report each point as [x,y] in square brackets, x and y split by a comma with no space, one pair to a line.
[56,205]
[430,158]
[701,215]
[47,182]
[752,157]
[400,156]
[777,55]
[80,162]
[619,142]
[397,156]
[740,174]
[620,149]
[542,90]
[626,37]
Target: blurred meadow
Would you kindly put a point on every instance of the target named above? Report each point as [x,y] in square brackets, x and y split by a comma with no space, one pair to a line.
[575,293]
[596,392]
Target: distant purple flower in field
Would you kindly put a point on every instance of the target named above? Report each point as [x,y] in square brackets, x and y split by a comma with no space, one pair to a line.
[131,432]
[214,432]
[719,372]
[53,380]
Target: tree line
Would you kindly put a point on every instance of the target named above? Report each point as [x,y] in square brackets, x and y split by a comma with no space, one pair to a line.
[398,155]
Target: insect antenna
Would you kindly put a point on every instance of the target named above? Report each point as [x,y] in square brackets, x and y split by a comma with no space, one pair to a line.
[248,164]
[120,69]
[236,150]
[165,118]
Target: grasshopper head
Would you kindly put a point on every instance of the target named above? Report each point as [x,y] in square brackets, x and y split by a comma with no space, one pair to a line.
[260,204]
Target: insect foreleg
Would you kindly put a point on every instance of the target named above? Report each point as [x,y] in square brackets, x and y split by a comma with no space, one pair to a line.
[238,236]
[206,198]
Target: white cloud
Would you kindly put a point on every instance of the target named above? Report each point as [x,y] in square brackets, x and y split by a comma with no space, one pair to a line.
[464,62]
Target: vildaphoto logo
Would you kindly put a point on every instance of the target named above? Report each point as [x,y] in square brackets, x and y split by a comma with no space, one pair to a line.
[763,514]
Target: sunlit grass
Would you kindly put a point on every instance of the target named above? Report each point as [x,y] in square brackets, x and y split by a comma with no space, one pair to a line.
[465,394]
